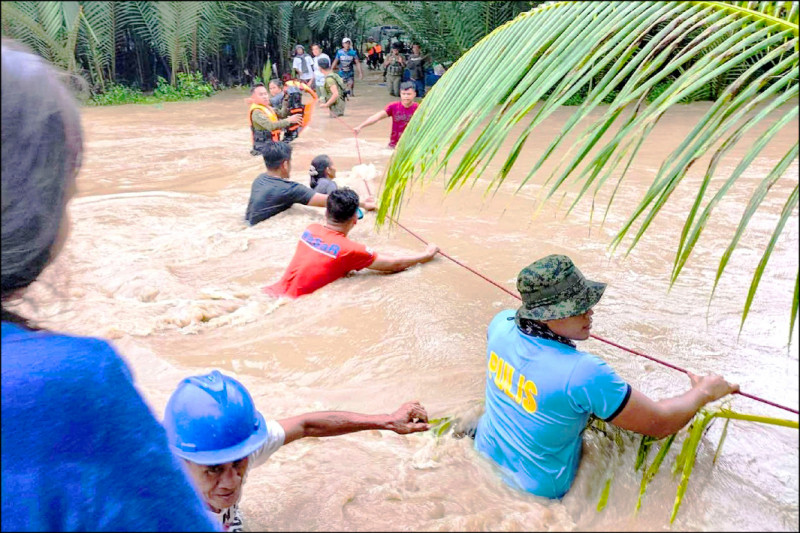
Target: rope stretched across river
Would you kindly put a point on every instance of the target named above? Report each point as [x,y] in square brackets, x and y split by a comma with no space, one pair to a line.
[597,337]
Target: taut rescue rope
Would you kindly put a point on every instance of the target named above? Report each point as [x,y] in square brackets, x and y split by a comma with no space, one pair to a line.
[597,337]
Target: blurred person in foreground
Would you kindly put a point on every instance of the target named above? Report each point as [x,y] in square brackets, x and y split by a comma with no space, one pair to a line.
[81,450]
[325,254]
[541,390]
[213,424]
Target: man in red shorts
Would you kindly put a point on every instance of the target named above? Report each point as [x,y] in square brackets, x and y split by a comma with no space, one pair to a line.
[401,113]
[325,254]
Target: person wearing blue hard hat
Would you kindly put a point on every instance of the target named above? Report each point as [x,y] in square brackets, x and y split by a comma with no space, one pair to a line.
[213,424]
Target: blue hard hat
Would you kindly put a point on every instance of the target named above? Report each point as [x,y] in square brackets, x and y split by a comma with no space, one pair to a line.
[212,419]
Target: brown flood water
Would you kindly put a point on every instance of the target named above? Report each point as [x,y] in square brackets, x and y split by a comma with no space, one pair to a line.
[160,261]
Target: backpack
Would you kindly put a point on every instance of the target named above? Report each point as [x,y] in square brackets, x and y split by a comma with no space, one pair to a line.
[344,94]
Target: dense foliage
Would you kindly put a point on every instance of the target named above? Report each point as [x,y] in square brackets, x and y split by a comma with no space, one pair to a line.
[133,43]
[190,87]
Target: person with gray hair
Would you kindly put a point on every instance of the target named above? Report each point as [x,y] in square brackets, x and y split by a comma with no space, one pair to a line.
[81,450]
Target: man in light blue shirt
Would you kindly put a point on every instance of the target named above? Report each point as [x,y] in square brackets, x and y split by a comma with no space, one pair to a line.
[541,390]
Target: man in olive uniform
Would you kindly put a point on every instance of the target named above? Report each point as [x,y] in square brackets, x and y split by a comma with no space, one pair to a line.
[393,67]
[266,123]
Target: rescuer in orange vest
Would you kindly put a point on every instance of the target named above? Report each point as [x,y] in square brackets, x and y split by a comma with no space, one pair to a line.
[265,123]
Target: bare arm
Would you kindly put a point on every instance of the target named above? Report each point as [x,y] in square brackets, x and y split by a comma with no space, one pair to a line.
[372,120]
[318,200]
[389,263]
[335,62]
[358,68]
[411,417]
[321,200]
[334,96]
[665,417]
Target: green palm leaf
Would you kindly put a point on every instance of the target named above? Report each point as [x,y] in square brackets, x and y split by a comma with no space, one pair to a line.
[643,58]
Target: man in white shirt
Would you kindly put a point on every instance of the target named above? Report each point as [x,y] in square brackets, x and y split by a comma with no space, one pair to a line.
[319,76]
[303,66]
[212,423]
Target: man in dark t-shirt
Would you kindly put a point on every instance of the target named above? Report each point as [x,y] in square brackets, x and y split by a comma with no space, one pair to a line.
[273,193]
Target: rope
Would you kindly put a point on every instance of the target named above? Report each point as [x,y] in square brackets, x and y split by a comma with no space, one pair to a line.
[596,337]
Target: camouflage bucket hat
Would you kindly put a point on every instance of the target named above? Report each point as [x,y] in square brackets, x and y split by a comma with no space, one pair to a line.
[553,288]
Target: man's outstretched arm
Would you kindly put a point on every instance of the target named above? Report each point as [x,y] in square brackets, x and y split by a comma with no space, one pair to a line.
[371,120]
[411,417]
[390,263]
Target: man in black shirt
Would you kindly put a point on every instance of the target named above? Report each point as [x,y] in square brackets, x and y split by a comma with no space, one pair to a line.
[273,193]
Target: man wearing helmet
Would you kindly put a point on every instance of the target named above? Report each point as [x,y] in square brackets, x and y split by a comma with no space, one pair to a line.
[345,58]
[212,424]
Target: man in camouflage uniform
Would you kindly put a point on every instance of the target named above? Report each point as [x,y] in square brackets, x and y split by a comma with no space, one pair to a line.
[541,390]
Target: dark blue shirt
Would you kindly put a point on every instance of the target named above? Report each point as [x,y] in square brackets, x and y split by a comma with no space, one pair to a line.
[270,195]
[81,451]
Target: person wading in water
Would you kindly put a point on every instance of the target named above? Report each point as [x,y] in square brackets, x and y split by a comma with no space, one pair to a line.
[401,113]
[265,125]
[541,390]
[325,254]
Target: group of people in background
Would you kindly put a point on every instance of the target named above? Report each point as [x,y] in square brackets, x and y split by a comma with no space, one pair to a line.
[82,451]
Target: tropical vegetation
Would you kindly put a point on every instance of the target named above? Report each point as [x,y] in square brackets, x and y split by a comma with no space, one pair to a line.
[617,442]
[641,59]
[132,43]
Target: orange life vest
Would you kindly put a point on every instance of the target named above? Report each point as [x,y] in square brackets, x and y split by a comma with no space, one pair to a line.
[261,136]
[378,49]
[308,109]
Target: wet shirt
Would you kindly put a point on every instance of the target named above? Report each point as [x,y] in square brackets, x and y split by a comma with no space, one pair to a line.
[332,80]
[400,116]
[230,518]
[81,450]
[539,395]
[346,59]
[325,186]
[322,256]
[270,195]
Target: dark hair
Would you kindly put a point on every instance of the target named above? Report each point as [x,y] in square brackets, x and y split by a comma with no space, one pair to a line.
[323,63]
[278,83]
[406,85]
[342,205]
[397,45]
[275,153]
[317,45]
[256,86]
[41,155]
[318,167]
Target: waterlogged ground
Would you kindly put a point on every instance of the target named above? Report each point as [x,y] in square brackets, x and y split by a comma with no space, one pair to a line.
[160,262]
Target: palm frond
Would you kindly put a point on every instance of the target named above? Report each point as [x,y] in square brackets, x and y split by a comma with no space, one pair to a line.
[641,58]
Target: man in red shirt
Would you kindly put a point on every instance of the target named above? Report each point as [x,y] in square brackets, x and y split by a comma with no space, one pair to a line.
[325,254]
[401,113]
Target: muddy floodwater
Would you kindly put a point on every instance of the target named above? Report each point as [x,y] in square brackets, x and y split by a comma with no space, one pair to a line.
[161,262]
